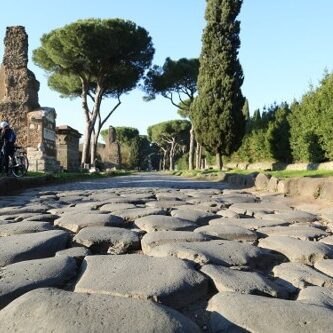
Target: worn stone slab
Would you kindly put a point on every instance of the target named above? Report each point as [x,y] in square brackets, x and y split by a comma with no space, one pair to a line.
[253,208]
[77,252]
[154,223]
[117,206]
[31,246]
[135,213]
[293,216]
[36,209]
[171,196]
[317,296]
[152,239]
[76,222]
[108,239]
[299,232]
[248,223]
[325,266]
[233,312]
[228,232]
[23,227]
[42,218]
[166,204]
[219,252]
[296,250]
[139,276]
[58,311]
[18,278]
[235,198]
[226,279]
[301,276]
[227,213]
[195,216]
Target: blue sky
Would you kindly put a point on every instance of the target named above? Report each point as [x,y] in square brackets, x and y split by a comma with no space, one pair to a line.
[286,45]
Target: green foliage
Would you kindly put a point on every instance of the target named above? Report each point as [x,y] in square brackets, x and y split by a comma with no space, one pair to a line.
[311,124]
[217,111]
[267,137]
[174,78]
[112,52]
[162,133]
[182,162]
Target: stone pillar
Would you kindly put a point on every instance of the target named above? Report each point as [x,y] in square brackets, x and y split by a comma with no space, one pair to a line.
[67,141]
[41,141]
[18,85]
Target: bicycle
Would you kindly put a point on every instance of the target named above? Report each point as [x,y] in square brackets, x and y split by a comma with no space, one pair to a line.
[18,163]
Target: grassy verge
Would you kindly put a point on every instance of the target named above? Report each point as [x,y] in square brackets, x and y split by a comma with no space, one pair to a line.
[213,173]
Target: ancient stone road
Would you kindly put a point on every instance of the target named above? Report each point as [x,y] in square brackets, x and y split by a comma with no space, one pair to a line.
[158,253]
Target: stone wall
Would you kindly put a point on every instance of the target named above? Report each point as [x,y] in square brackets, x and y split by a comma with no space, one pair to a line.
[67,141]
[18,85]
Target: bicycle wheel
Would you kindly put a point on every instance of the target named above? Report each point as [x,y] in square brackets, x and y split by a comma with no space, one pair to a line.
[19,166]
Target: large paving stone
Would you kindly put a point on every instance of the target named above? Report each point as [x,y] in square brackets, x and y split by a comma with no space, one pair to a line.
[17,279]
[219,252]
[135,213]
[195,216]
[233,312]
[253,208]
[108,239]
[171,196]
[163,223]
[325,266]
[24,228]
[166,204]
[167,280]
[77,252]
[226,279]
[301,276]
[42,218]
[317,296]
[58,311]
[26,209]
[76,222]
[248,223]
[233,198]
[292,216]
[117,206]
[296,250]
[31,246]
[299,232]
[227,213]
[152,239]
[228,232]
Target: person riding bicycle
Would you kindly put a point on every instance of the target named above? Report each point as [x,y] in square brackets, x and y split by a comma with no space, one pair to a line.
[8,138]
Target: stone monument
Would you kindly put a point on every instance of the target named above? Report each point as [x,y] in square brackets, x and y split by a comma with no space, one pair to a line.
[18,85]
[110,153]
[67,140]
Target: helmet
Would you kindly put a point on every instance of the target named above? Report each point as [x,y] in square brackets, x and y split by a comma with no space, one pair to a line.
[4,124]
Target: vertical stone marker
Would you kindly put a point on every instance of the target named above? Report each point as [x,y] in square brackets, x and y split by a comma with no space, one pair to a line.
[18,85]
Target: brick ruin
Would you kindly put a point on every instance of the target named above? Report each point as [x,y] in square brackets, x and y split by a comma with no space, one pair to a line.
[110,152]
[18,85]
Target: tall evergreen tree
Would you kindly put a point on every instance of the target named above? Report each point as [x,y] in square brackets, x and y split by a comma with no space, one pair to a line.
[217,111]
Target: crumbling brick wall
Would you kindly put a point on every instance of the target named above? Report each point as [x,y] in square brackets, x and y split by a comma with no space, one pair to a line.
[18,85]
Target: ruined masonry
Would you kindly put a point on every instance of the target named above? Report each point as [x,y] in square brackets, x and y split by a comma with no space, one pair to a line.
[35,126]
[111,153]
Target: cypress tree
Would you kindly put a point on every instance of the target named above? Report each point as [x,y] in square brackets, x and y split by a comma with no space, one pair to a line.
[217,111]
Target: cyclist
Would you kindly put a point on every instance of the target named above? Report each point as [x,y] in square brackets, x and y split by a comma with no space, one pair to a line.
[8,138]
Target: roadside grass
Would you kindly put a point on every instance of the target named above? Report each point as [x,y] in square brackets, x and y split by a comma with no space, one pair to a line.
[214,173]
[75,176]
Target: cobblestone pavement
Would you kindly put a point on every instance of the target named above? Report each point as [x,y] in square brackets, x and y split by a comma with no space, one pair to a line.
[158,253]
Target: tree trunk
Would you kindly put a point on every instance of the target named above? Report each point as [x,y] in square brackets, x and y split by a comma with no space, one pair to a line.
[219,163]
[93,146]
[86,145]
[198,156]
[172,154]
[191,152]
